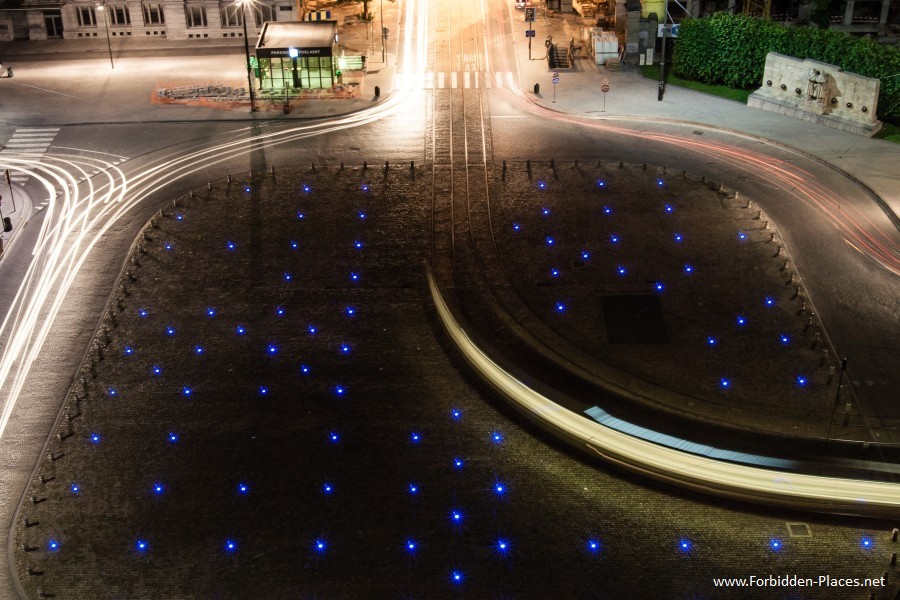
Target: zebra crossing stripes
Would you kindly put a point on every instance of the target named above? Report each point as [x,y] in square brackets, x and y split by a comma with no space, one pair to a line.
[454,80]
[31,141]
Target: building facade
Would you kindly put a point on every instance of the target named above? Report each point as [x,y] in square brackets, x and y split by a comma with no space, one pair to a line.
[160,19]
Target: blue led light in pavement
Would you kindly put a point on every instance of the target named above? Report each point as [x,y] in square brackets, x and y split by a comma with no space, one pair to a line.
[243,489]
[128,350]
[173,437]
[240,330]
[186,391]
[554,272]
[156,370]
[198,349]
[210,311]
[230,245]
[411,546]
[52,545]
[287,277]
[170,330]
[502,546]
[339,390]
[550,241]
[349,311]
[143,312]
[741,320]
[413,489]
[279,310]
[678,237]
[659,182]
[601,183]
[179,217]
[354,276]
[327,488]
[311,329]
[458,463]
[415,437]
[456,577]
[141,545]
[230,546]
[304,369]
[560,307]
[301,215]
[496,437]
[593,546]
[688,269]
[158,488]
[684,545]
[456,517]
[364,187]
[669,208]
[711,341]
[545,211]
[306,188]
[247,188]
[362,214]
[319,546]
[621,270]
[742,236]
[659,286]
[74,488]
[334,437]
[357,244]
[294,244]
[614,239]
[456,414]
[784,339]
[607,210]
[801,380]
[541,184]
[516,227]
[112,391]
[866,543]
[95,438]
[499,488]
[263,390]
[272,349]
[775,544]
[724,383]
[345,348]
[769,301]
[168,245]
[585,255]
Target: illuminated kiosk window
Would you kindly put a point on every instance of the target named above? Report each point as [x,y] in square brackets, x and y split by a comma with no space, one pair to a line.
[297,54]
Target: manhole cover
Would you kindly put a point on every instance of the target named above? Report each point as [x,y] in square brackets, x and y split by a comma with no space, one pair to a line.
[634,319]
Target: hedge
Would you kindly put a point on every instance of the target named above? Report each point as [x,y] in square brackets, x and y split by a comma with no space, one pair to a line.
[731,49]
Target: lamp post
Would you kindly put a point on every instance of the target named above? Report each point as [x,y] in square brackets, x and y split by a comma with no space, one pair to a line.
[103,8]
[662,62]
[243,4]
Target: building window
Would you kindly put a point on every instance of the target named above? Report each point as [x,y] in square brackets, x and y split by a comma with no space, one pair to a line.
[86,16]
[263,13]
[196,16]
[153,14]
[118,15]
[232,16]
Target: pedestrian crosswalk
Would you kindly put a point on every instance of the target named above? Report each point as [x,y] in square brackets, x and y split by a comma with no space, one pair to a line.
[32,141]
[454,80]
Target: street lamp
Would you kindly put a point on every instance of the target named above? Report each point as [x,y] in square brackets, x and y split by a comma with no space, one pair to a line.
[102,8]
[244,4]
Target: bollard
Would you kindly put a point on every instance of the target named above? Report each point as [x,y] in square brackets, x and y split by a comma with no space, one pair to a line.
[228,178]
[46,480]
[312,166]
[209,185]
[342,166]
[28,523]
[273,170]
[28,548]
[737,195]
[365,165]
[645,166]
[552,164]
[387,166]
[621,164]
[412,166]
[537,89]
[191,193]
[377,91]
[664,169]
[34,572]
[893,559]
[894,534]
[528,166]
[36,500]
[683,174]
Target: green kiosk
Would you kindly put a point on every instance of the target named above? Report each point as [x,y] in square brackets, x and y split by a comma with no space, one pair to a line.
[297,54]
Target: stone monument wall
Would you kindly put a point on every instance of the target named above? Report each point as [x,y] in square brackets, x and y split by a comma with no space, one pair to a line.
[818,92]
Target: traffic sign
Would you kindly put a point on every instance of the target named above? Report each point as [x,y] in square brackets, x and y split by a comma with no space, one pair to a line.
[604,87]
[555,78]
[529,14]
[529,33]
